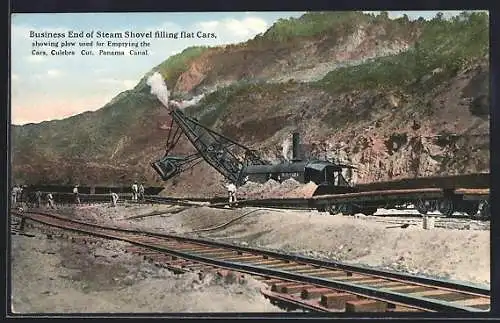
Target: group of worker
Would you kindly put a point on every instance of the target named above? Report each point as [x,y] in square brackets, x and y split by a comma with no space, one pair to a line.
[37,199]
[16,195]
[137,193]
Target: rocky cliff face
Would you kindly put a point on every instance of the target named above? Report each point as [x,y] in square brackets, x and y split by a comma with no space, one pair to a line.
[396,98]
[300,59]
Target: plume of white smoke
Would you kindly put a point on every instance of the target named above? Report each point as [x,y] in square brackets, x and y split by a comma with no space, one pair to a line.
[159,88]
[285,145]
[193,101]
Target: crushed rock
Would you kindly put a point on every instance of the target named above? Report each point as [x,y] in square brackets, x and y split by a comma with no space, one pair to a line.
[273,189]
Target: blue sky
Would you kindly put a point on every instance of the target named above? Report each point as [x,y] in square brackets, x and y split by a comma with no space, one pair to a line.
[55,87]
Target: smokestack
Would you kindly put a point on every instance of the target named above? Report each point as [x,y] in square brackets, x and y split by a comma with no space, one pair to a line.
[296,146]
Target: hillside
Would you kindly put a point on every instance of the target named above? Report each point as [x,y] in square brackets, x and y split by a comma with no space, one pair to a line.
[399,98]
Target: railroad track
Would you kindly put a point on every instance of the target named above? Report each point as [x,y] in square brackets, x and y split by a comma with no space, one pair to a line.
[292,281]
[219,201]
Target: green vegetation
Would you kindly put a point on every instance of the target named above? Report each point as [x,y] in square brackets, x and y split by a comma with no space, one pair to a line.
[444,47]
[177,64]
[312,24]
[211,107]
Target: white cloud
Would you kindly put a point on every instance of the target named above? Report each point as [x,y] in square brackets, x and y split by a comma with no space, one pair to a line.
[15,77]
[54,73]
[35,59]
[127,84]
[234,29]
[227,31]
[99,70]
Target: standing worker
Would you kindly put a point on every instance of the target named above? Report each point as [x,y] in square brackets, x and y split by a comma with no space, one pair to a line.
[76,194]
[231,190]
[50,200]
[114,198]
[20,197]
[141,192]
[135,189]
[14,193]
[38,198]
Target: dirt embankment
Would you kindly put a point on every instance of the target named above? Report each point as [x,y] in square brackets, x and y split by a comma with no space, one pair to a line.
[57,276]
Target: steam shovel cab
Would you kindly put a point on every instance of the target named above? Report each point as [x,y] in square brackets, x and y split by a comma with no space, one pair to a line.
[330,180]
[328,176]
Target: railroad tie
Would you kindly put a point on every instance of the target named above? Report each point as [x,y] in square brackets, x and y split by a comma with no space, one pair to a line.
[180,263]
[336,300]
[283,265]
[332,274]
[450,296]
[361,278]
[244,258]
[315,292]
[296,288]
[192,248]
[227,272]
[438,294]
[215,253]
[271,281]
[307,270]
[278,287]
[386,284]
[155,257]
[195,266]
[266,262]
[292,268]
[365,305]
[476,301]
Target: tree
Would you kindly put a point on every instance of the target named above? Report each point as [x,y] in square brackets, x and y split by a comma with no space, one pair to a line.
[439,16]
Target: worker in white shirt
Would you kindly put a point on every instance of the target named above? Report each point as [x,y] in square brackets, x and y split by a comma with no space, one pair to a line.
[114,198]
[14,193]
[50,200]
[135,190]
[231,191]
[76,194]
[141,192]
[20,197]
